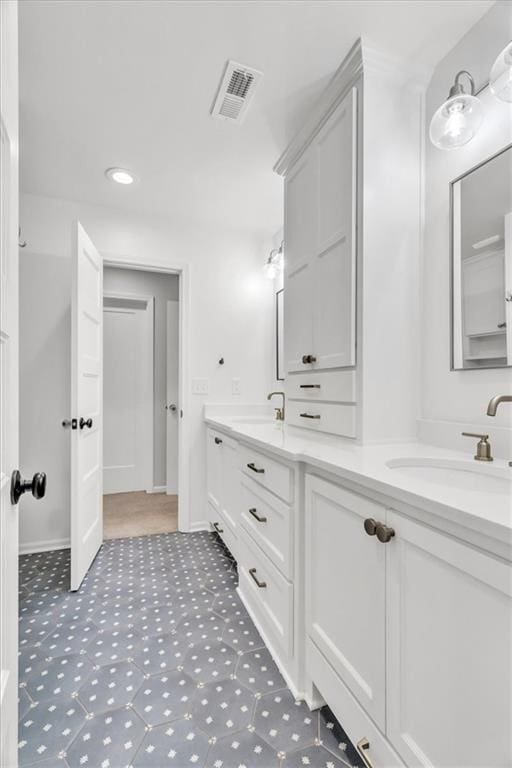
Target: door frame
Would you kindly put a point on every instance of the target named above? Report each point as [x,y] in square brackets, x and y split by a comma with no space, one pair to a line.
[149,301]
[182,270]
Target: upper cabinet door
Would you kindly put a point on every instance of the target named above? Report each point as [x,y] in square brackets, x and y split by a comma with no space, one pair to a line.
[300,207]
[334,303]
[449,668]
[300,244]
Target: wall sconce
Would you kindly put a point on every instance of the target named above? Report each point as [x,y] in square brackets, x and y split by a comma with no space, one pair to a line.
[275,262]
[458,119]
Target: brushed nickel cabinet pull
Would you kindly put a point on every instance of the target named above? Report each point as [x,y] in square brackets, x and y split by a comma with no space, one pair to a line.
[309,386]
[254,513]
[384,533]
[218,441]
[261,584]
[310,416]
[363,745]
[254,468]
[218,528]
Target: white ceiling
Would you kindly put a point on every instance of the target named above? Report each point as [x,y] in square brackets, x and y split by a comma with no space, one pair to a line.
[131,82]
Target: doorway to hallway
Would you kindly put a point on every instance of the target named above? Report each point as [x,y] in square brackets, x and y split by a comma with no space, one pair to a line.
[140,402]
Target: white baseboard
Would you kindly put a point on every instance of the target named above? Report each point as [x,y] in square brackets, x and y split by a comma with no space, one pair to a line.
[157,489]
[200,525]
[31,547]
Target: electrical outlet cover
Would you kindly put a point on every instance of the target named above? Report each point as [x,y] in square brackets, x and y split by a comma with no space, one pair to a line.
[236,386]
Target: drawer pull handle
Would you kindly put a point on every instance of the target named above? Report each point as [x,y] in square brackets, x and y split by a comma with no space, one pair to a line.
[254,513]
[309,386]
[218,528]
[261,584]
[363,745]
[254,468]
[218,441]
[384,533]
[310,415]
[307,359]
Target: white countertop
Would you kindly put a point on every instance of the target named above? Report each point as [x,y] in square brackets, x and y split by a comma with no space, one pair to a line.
[461,503]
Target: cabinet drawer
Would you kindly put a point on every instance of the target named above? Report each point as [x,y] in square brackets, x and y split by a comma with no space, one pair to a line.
[225,531]
[270,523]
[335,386]
[270,473]
[272,601]
[335,418]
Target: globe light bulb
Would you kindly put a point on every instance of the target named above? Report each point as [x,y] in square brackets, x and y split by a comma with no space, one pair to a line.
[458,119]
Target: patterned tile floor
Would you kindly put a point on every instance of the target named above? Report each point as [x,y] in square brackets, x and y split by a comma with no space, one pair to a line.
[155,663]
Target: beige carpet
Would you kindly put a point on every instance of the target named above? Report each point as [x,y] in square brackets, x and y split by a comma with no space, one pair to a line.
[139,514]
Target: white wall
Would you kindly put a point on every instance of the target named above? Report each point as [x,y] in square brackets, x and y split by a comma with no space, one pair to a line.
[455,400]
[231,307]
[163,288]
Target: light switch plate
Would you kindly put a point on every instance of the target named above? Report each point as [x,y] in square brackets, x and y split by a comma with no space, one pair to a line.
[236,387]
[200,386]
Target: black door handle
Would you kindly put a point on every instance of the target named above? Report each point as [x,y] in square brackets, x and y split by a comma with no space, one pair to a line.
[85,423]
[19,486]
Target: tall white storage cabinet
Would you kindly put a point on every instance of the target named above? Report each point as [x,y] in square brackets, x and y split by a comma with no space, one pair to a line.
[352,232]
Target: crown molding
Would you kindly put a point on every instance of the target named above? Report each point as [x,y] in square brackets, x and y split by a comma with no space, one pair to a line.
[362,59]
[347,73]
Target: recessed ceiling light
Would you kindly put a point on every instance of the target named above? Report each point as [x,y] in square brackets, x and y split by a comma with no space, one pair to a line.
[120,175]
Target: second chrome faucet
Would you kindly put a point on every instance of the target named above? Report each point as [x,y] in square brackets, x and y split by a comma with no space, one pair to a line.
[279,411]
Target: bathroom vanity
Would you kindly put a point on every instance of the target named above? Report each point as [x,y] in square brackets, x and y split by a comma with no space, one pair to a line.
[380,578]
[377,569]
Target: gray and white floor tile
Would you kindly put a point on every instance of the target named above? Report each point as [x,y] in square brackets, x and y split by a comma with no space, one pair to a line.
[109,740]
[111,686]
[165,697]
[177,744]
[61,676]
[155,662]
[48,728]
[284,723]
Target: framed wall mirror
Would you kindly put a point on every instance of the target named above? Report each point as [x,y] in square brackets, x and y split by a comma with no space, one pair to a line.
[481,265]
[279,336]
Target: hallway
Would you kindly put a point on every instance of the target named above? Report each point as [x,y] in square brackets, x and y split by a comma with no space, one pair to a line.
[139,514]
[155,663]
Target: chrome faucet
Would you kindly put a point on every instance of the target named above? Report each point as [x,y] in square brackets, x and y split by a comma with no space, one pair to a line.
[495,401]
[493,407]
[279,411]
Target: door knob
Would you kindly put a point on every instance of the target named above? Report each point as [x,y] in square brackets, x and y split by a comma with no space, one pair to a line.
[19,486]
[85,423]
[171,407]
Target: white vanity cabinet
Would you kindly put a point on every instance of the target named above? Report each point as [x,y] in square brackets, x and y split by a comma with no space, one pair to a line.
[449,670]
[345,578]
[223,487]
[412,635]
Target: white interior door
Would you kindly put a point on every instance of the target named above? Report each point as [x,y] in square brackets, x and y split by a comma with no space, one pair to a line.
[127,394]
[86,405]
[508,284]
[8,382]
[172,404]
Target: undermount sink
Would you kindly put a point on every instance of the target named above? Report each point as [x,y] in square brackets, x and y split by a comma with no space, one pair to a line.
[466,475]
[254,420]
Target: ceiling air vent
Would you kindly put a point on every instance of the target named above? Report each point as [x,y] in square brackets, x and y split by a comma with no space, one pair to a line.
[235,92]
